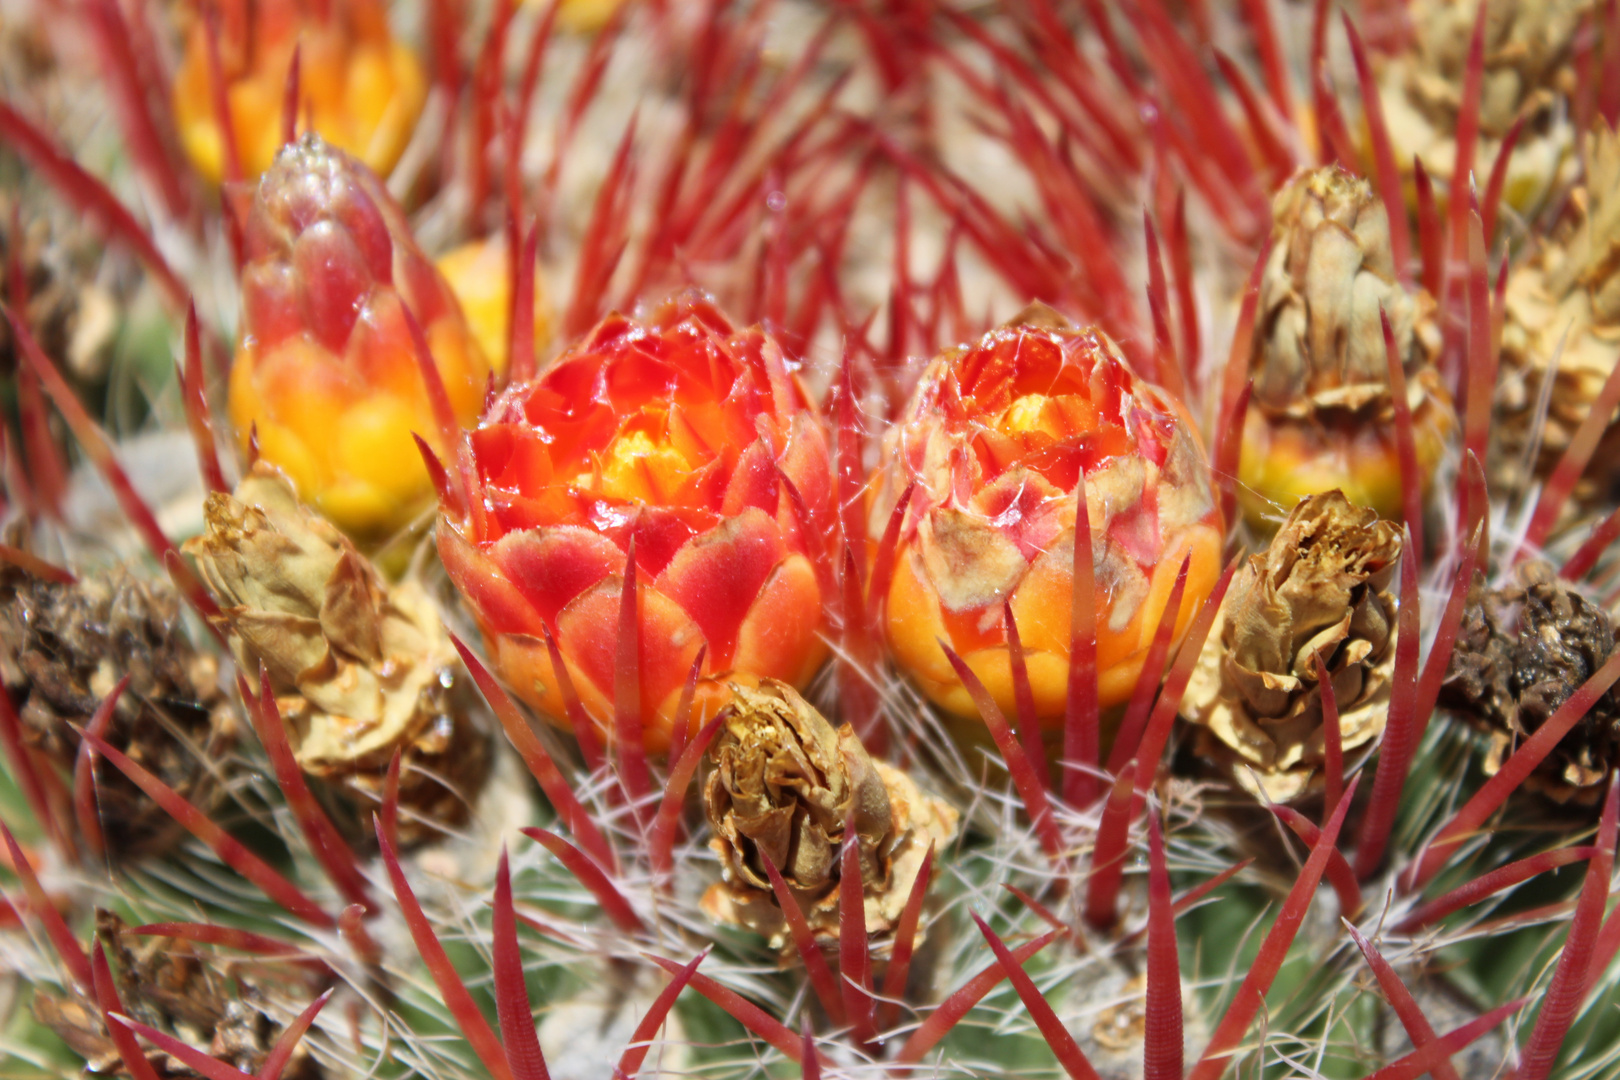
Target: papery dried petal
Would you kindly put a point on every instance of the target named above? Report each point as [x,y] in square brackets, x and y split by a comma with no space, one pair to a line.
[785,787]
[1322,586]
[360,667]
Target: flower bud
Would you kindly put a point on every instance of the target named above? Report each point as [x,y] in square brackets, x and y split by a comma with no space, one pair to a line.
[680,435]
[327,379]
[359,89]
[996,437]
[1321,588]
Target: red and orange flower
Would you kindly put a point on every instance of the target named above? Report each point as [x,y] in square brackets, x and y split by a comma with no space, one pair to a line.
[680,436]
[996,438]
[327,381]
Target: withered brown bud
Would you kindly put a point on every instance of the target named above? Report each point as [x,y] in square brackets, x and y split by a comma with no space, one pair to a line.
[1329,274]
[1563,305]
[1528,71]
[1322,413]
[63,648]
[165,983]
[786,787]
[1522,650]
[360,668]
[1320,588]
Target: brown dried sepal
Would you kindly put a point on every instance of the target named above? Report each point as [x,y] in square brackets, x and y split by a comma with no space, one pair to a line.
[1319,345]
[1563,304]
[1321,587]
[207,1002]
[63,649]
[784,785]
[360,668]
[1521,652]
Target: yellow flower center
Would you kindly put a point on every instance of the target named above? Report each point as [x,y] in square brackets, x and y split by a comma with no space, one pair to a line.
[636,468]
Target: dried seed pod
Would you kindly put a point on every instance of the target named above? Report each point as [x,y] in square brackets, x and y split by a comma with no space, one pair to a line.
[327,381]
[786,787]
[1563,305]
[679,435]
[359,88]
[996,437]
[63,648]
[1522,650]
[360,668]
[1528,71]
[166,984]
[1321,415]
[1320,588]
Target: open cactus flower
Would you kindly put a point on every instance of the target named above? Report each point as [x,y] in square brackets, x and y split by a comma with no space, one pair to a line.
[686,441]
[996,438]
[327,383]
[358,87]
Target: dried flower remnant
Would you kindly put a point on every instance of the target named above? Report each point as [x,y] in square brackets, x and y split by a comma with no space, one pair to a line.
[360,668]
[996,437]
[327,378]
[1522,650]
[361,90]
[1563,305]
[1322,587]
[63,649]
[785,786]
[71,309]
[165,983]
[692,441]
[1322,416]
[1529,47]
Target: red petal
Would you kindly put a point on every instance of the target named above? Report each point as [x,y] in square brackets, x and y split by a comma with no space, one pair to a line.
[498,605]
[753,483]
[716,577]
[552,566]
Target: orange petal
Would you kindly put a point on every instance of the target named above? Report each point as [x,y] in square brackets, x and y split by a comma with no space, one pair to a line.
[552,566]
[588,635]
